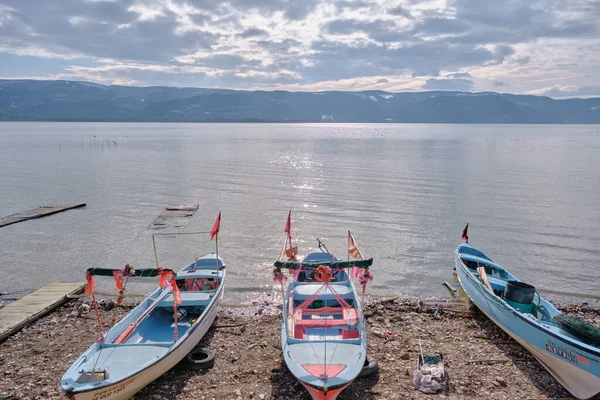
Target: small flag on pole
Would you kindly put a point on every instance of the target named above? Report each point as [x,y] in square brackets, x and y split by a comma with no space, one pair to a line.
[353,249]
[465,234]
[288,226]
[89,286]
[215,229]
[118,275]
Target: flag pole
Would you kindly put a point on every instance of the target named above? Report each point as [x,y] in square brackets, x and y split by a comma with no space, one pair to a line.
[214,232]
[283,249]
[217,249]
[349,248]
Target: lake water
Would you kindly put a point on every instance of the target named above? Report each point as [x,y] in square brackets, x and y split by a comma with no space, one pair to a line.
[530,193]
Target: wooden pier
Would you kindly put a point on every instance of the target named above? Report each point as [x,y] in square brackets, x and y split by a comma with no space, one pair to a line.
[19,313]
[173,218]
[38,213]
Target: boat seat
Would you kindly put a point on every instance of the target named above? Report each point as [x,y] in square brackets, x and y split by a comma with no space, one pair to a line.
[496,283]
[300,332]
[325,316]
[189,299]
[320,334]
[309,290]
[350,334]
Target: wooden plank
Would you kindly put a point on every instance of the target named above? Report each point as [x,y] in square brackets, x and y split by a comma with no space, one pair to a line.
[38,213]
[450,288]
[484,278]
[173,218]
[18,314]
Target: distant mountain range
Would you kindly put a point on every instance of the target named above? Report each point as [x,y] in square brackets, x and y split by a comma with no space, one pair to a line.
[30,100]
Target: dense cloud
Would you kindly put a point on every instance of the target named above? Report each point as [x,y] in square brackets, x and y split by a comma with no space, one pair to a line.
[309,44]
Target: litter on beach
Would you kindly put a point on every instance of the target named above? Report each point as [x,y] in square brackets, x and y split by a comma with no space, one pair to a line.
[429,377]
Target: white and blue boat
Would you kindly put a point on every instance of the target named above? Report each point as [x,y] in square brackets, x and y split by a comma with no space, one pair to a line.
[323,334]
[153,337]
[571,357]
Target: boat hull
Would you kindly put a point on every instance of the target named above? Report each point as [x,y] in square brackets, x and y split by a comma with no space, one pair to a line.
[576,368]
[128,387]
[336,383]
[317,394]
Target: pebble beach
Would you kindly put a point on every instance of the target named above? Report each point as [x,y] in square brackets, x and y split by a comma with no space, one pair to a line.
[481,361]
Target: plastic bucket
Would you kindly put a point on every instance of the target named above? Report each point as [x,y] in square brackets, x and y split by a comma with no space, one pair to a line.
[519,295]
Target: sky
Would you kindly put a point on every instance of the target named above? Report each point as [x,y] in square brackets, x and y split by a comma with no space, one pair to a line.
[541,47]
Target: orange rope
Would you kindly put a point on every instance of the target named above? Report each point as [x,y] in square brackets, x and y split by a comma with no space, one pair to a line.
[98,317]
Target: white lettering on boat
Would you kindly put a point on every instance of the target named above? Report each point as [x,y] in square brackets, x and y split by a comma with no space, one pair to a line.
[104,394]
[561,351]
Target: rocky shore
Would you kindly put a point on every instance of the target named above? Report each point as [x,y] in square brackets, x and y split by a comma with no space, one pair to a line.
[481,361]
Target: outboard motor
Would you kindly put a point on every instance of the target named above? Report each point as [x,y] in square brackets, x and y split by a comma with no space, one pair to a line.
[519,295]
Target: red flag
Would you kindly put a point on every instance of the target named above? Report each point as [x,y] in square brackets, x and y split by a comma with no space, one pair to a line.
[465,235]
[118,275]
[89,286]
[288,225]
[176,292]
[165,277]
[215,229]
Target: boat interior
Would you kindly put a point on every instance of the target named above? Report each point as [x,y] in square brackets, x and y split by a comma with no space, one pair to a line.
[147,332]
[322,312]
[157,326]
[498,277]
[540,310]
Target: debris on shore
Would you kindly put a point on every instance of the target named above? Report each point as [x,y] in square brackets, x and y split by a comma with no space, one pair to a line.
[481,361]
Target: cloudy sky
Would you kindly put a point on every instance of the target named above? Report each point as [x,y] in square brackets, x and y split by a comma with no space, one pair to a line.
[549,47]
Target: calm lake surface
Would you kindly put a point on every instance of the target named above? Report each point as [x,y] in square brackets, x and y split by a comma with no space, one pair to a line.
[530,193]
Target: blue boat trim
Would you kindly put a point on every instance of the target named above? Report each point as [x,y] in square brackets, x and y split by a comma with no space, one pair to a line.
[562,338]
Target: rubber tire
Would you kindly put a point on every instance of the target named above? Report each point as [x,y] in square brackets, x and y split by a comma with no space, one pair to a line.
[199,358]
[370,368]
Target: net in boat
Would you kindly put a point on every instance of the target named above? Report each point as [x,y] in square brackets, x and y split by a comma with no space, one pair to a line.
[579,328]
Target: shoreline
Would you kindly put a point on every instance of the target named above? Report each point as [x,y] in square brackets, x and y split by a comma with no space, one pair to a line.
[481,360]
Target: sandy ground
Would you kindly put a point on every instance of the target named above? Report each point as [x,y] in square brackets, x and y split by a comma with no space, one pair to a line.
[481,361]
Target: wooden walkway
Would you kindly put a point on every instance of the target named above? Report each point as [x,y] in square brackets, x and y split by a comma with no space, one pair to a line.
[17,314]
[38,213]
[173,218]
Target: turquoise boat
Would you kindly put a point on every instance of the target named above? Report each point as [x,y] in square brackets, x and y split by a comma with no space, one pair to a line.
[572,356]
[153,337]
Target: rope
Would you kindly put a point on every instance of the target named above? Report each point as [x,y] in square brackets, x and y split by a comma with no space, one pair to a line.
[325,351]
[98,317]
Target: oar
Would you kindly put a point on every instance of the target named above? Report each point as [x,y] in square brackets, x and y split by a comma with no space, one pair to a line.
[129,330]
